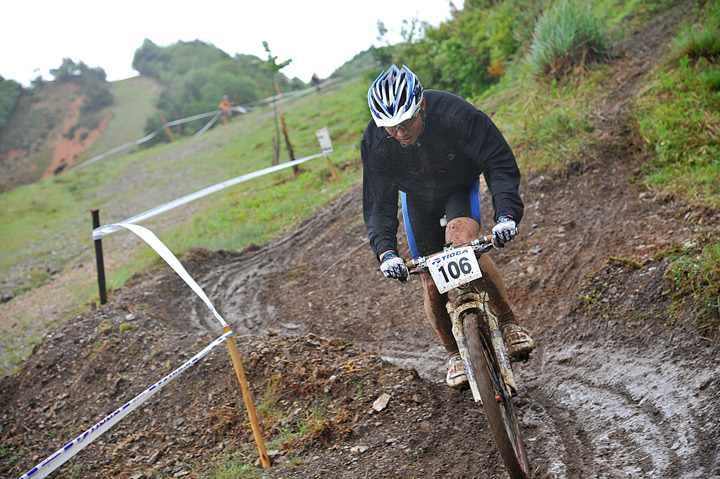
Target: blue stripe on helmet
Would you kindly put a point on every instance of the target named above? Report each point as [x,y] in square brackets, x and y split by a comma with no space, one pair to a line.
[411,89]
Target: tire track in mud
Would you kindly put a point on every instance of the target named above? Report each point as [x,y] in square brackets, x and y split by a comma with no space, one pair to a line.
[619,413]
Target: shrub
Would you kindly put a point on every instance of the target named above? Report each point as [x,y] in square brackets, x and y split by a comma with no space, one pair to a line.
[700,41]
[566,36]
[9,93]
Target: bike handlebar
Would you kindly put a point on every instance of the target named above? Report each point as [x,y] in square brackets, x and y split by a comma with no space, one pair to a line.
[480,246]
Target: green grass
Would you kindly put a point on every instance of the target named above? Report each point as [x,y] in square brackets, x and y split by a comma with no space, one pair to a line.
[678,118]
[547,127]
[677,115]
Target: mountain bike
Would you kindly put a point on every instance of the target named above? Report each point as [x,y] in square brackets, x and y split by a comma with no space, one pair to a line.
[481,345]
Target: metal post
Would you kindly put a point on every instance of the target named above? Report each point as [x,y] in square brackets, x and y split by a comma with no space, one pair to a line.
[99,258]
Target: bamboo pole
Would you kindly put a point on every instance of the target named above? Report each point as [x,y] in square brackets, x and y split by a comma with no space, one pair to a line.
[247,397]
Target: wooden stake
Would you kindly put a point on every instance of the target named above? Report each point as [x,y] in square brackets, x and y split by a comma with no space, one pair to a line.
[296,169]
[167,128]
[247,397]
[332,169]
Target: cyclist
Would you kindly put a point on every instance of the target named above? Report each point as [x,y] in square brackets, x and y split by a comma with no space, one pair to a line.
[431,147]
[225,109]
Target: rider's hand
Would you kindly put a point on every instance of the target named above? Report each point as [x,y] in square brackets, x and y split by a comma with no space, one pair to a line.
[394,267]
[504,231]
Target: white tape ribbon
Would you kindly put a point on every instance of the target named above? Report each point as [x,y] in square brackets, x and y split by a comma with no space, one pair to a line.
[165,253]
[106,229]
[83,440]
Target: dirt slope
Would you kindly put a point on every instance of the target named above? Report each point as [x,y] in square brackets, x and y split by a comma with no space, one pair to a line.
[45,125]
[611,392]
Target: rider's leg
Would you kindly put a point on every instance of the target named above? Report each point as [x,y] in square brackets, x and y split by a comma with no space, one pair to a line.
[517,338]
[439,319]
[437,315]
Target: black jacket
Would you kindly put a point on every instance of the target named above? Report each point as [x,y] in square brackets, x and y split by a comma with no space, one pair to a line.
[458,144]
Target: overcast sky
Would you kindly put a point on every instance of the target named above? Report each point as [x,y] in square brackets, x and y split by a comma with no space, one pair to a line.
[319,36]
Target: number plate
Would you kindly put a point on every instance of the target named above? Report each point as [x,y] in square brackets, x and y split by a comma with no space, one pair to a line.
[450,269]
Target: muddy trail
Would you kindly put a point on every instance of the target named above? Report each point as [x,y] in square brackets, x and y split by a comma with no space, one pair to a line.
[612,391]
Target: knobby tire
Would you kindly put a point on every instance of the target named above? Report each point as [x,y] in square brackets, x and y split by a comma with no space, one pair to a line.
[497,403]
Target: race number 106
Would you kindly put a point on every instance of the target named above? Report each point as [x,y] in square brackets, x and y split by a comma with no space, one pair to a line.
[452,268]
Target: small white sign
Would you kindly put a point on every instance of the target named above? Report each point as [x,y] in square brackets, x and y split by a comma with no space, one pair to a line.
[323,136]
[452,268]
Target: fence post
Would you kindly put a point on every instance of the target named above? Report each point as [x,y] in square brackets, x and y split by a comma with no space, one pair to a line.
[295,168]
[99,258]
[332,169]
[167,128]
[249,405]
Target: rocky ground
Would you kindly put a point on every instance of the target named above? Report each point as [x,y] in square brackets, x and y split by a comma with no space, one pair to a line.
[612,391]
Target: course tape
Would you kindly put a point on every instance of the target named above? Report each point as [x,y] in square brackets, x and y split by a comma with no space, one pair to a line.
[146,138]
[106,229]
[208,125]
[83,440]
[165,253]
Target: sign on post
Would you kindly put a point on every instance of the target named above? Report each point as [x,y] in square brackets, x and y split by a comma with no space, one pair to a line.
[323,136]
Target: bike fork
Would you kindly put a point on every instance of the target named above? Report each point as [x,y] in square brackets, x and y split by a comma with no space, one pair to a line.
[469,299]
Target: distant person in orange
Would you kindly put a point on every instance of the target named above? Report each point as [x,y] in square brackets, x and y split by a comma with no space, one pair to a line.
[225,109]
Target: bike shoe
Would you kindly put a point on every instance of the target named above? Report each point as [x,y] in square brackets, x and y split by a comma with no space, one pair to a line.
[456,377]
[518,341]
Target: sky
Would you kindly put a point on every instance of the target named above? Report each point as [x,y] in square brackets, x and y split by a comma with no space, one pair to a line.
[319,36]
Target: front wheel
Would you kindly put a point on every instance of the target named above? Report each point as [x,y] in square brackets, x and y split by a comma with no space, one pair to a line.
[496,400]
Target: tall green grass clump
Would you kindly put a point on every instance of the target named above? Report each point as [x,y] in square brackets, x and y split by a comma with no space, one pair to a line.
[700,41]
[567,36]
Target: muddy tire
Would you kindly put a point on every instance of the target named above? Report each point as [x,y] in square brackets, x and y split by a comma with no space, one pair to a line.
[497,403]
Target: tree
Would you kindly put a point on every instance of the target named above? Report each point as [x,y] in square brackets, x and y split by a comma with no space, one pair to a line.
[273,68]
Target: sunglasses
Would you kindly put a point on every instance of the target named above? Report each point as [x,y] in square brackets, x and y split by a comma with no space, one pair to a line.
[405,125]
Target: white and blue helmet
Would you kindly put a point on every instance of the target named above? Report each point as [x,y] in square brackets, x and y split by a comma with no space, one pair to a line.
[394,96]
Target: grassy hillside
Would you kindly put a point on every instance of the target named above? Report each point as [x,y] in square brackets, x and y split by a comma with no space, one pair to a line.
[133,102]
[46,257]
